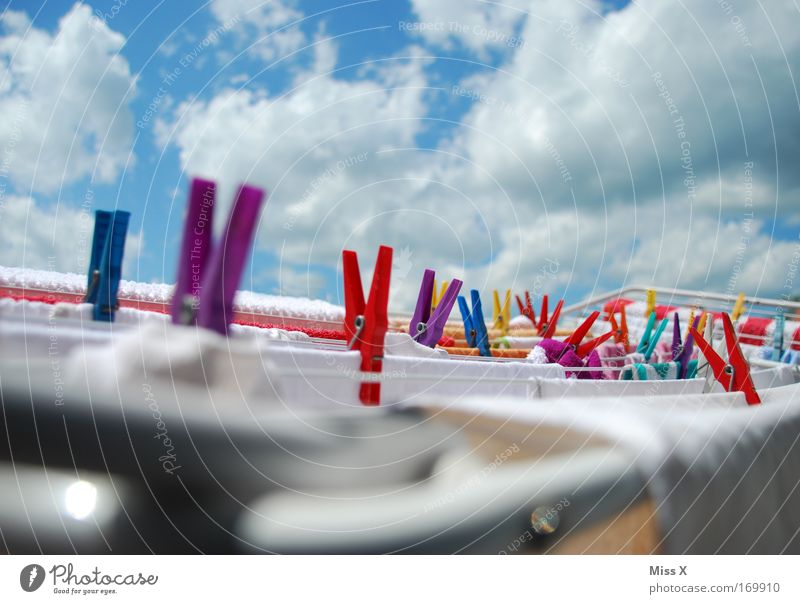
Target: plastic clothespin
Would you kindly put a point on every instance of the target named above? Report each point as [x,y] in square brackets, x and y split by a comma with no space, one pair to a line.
[542,325]
[682,351]
[526,310]
[105,265]
[438,294]
[701,327]
[651,302]
[549,327]
[738,307]
[620,330]
[474,326]
[777,337]
[647,344]
[227,261]
[196,247]
[734,375]
[366,323]
[575,339]
[692,314]
[426,326]
[501,316]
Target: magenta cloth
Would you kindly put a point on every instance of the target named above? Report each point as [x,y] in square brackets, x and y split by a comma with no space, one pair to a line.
[558,352]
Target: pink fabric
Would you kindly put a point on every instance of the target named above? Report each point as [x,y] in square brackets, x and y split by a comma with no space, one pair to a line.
[611,355]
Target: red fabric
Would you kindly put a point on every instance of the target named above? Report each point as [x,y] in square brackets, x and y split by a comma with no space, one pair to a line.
[447,341]
[614,306]
[754,326]
[662,311]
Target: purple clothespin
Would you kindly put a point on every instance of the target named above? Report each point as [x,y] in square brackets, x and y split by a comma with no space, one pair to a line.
[426,327]
[682,352]
[228,260]
[195,251]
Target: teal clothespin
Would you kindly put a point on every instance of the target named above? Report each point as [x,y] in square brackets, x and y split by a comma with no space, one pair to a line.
[652,347]
[777,337]
[648,331]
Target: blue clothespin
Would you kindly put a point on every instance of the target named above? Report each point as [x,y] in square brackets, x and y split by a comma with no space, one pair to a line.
[648,330]
[474,325]
[777,337]
[105,263]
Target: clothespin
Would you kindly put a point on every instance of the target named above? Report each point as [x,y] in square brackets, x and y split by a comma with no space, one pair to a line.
[501,316]
[651,302]
[105,264]
[526,310]
[620,330]
[366,323]
[474,326]
[777,337]
[691,322]
[734,375]
[426,327]
[701,327]
[682,351]
[548,328]
[575,339]
[542,325]
[437,296]
[227,261]
[647,344]
[738,307]
[195,251]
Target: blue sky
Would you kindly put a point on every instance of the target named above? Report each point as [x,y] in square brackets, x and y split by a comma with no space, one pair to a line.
[498,139]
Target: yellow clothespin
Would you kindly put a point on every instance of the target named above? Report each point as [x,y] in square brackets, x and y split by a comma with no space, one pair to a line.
[502,316]
[651,302]
[438,294]
[691,322]
[738,308]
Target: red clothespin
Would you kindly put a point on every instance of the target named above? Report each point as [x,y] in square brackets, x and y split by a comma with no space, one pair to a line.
[548,328]
[734,375]
[365,324]
[575,339]
[527,309]
[542,324]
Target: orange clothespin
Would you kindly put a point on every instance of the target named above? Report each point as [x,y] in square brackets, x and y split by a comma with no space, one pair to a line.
[734,375]
[526,310]
[365,324]
[620,330]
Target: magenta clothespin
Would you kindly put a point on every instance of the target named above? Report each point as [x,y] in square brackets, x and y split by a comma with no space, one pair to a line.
[427,327]
[228,260]
[194,252]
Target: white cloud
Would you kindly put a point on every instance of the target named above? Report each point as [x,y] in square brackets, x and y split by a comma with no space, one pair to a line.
[270,29]
[64,101]
[57,239]
[569,154]
[476,25]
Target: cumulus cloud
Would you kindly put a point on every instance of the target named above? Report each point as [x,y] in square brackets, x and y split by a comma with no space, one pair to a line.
[635,146]
[268,29]
[57,239]
[64,101]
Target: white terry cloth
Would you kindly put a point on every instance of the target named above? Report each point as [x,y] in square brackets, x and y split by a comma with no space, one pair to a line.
[314,377]
[725,476]
[403,345]
[773,377]
[537,356]
[556,388]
